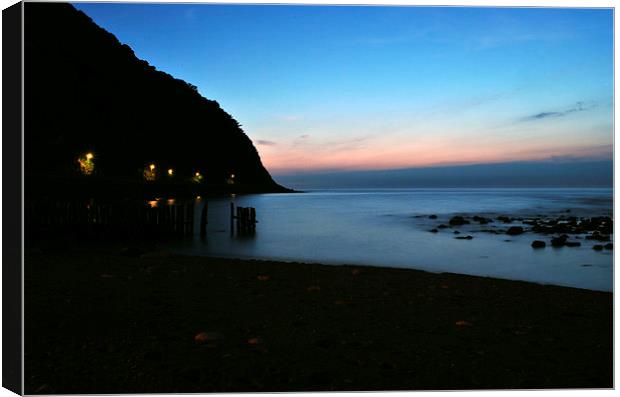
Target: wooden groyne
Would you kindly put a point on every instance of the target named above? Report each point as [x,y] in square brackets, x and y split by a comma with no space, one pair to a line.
[122,218]
[91,218]
[245,218]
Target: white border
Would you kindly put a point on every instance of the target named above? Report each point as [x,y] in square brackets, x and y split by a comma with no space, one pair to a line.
[483,3]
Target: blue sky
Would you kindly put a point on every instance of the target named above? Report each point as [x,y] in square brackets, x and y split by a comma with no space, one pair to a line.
[350,88]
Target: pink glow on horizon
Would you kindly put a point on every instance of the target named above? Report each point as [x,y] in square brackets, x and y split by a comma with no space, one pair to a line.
[359,157]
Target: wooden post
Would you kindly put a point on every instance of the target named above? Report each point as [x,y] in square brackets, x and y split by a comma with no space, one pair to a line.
[180,218]
[253,218]
[189,229]
[168,217]
[239,225]
[232,218]
[203,219]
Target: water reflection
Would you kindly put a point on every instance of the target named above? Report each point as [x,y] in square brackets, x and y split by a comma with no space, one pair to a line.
[381,229]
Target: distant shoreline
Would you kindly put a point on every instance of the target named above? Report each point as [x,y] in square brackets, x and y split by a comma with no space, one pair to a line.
[517,174]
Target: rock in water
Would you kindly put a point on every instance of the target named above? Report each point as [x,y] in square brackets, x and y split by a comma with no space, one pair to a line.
[514,230]
[458,221]
[482,220]
[538,244]
[559,241]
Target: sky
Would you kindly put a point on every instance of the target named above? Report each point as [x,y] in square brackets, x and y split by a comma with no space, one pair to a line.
[341,88]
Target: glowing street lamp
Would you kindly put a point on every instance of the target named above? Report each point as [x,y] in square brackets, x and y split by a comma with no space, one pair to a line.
[170,171]
[87,166]
[149,173]
[197,177]
[231,179]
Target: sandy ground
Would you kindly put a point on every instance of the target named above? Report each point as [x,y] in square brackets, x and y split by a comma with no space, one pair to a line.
[108,321]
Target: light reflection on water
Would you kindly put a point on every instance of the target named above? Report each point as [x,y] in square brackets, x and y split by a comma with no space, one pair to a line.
[390,228]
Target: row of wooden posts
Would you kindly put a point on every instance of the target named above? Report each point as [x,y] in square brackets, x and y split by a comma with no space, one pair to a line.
[135,218]
[246,220]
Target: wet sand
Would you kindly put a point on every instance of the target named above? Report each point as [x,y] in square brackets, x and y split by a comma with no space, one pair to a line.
[100,320]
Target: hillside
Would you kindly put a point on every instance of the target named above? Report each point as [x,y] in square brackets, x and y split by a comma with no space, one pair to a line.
[85,92]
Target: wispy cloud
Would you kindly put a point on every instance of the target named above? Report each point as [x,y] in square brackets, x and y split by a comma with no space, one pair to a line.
[586,153]
[264,142]
[578,107]
[465,104]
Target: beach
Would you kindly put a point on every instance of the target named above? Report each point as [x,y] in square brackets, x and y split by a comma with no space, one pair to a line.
[136,319]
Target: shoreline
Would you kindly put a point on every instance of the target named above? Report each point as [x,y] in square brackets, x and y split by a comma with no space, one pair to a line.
[293,262]
[107,320]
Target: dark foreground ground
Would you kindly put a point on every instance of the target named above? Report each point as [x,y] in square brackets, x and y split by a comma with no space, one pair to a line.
[104,321]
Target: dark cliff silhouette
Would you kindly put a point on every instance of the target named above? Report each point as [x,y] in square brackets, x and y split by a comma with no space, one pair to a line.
[85,92]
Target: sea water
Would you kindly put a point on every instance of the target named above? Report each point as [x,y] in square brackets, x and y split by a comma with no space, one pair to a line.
[390,228]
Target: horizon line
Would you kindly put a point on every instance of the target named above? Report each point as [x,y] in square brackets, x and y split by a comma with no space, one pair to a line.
[439,165]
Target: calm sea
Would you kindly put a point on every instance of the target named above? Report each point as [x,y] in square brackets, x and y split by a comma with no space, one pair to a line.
[391,228]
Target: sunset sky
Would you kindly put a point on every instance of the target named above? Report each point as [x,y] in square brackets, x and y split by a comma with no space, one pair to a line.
[359,88]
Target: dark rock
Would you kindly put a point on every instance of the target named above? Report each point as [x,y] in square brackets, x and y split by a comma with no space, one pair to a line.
[464,237]
[482,220]
[597,247]
[456,232]
[559,241]
[598,237]
[602,224]
[432,217]
[433,230]
[442,226]
[514,230]
[538,244]
[458,220]
[504,219]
